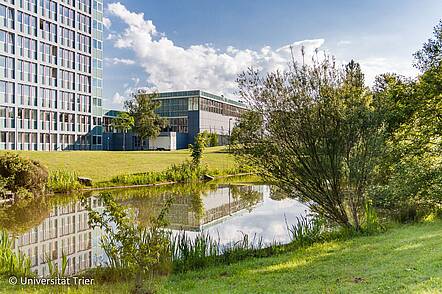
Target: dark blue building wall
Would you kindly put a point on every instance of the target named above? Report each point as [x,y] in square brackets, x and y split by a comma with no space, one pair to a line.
[114,141]
[182,140]
[193,125]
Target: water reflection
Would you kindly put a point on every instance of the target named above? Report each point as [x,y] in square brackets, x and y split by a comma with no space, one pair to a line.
[52,227]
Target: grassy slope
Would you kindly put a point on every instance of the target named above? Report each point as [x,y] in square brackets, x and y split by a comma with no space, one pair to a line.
[103,165]
[407,259]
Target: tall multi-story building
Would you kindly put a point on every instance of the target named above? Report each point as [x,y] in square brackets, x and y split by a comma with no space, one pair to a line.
[51,68]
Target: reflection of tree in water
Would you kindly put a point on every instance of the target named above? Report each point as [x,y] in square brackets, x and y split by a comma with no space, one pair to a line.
[26,214]
[247,195]
[277,193]
[148,201]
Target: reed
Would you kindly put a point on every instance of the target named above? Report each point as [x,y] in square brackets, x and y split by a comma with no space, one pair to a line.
[63,181]
[182,173]
[203,250]
[12,263]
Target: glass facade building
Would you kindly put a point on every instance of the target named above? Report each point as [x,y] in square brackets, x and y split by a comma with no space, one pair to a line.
[188,113]
[51,74]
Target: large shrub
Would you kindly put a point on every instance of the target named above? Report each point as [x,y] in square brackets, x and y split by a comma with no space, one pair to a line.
[314,132]
[19,175]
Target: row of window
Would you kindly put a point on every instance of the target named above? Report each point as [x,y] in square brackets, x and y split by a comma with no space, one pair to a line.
[48,8]
[27,95]
[48,142]
[28,119]
[180,106]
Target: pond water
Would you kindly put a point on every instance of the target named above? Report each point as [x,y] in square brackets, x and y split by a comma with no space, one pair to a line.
[47,227]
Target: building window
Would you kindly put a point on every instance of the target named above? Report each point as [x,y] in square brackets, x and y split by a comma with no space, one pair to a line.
[7,92]
[27,47]
[6,42]
[48,53]
[84,63]
[27,23]
[29,5]
[84,43]
[67,37]
[7,67]
[27,95]
[48,30]
[83,83]
[67,16]
[48,8]
[84,23]
[67,58]
[67,80]
[48,98]
[48,75]
[6,17]
[193,103]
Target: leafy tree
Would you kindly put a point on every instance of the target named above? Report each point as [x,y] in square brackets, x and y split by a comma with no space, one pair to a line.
[410,177]
[430,55]
[315,133]
[197,148]
[147,123]
[123,122]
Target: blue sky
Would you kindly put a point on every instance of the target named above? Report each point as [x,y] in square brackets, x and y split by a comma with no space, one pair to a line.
[176,45]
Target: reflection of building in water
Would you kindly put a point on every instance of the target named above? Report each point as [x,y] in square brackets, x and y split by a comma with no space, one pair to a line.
[65,231]
[216,205]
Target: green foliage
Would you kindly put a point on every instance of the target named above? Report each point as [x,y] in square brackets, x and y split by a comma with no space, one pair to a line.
[184,172]
[306,231]
[22,176]
[123,123]
[315,132]
[54,270]
[197,148]
[129,245]
[211,138]
[63,181]
[202,251]
[11,263]
[147,123]
[430,55]
[409,179]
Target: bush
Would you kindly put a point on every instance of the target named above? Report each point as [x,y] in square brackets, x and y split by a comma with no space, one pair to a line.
[21,175]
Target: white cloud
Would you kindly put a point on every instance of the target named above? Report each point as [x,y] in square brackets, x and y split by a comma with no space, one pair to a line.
[172,67]
[116,61]
[107,22]
[374,66]
[118,99]
[344,43]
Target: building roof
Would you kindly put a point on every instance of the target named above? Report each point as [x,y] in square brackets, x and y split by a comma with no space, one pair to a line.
[199,93]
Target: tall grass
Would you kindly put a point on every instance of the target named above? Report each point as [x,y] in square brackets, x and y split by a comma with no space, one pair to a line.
[54,270]
[184,172]
[63,181]
[306,231]
[11,263]
[204,250]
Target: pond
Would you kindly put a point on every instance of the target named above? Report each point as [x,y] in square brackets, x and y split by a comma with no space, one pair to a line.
[46,228]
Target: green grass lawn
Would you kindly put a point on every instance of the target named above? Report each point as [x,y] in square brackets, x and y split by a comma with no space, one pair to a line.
[405,259]
[103,165]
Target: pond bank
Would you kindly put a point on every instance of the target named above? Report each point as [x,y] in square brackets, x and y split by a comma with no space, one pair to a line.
[156,184]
